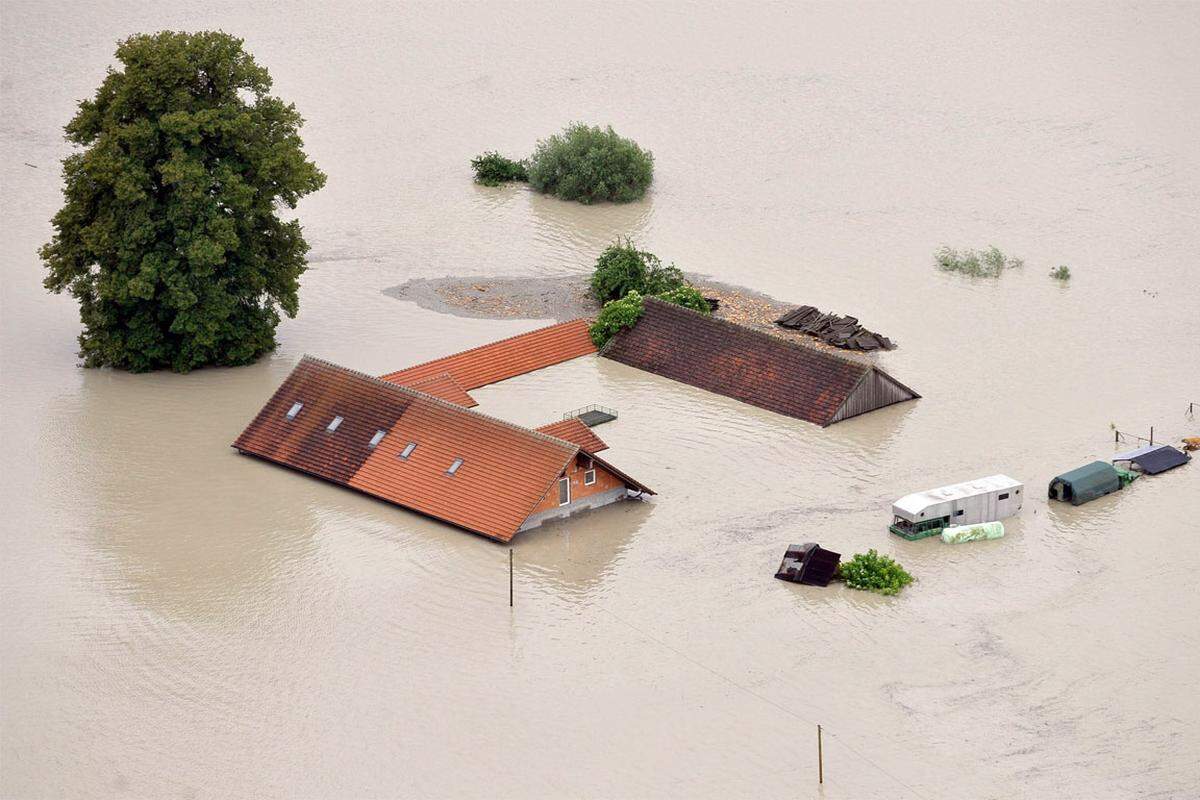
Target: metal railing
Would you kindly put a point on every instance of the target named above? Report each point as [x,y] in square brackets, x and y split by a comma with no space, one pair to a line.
[579,412]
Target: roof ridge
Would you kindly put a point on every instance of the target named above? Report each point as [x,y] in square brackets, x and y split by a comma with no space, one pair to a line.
[866,365]
[409,391]
[486,344]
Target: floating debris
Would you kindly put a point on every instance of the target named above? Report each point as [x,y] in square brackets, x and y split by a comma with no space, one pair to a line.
[809,564]
[844,332]
[957,534]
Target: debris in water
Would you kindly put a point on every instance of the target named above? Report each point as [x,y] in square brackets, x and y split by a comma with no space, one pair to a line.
[809,564]
[844,332]
[957,534]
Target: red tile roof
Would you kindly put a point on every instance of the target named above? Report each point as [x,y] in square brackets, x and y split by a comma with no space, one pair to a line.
[752,366]
[506,469]
[445,387]
[507,358]
[574,430]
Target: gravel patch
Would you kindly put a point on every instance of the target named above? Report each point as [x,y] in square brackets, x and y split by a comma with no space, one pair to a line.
[566,297]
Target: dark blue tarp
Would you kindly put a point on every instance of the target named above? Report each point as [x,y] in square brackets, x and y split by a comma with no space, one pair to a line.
[1161,460]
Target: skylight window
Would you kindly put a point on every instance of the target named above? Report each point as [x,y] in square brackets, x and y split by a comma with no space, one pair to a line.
[294,410]
[408,449]
[454,467]
[377,438]
[333,426]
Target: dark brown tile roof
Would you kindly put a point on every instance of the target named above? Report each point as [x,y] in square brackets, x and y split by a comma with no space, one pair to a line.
[574,430]
[507,358]
[506,469]
[751,366]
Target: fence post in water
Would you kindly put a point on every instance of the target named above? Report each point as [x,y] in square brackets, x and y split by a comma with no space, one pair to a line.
[510,578]
[820,759]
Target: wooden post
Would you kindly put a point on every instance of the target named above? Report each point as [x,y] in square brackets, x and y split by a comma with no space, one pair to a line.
[510,578]
[820,759]
[1151,434]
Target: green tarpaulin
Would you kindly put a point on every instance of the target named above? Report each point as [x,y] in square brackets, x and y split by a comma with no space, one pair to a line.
[1086,483]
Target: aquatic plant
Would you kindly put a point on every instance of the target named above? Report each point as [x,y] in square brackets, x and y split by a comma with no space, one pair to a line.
[170,235]
[590,164]
[616,316]
[1061,273]
[872,572]
[493,169]
[989,263]
[622,268]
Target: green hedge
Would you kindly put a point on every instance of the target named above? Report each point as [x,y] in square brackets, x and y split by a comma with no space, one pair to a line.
[622,268]
[493,169]
[616,316]
[872,572]
[591,164]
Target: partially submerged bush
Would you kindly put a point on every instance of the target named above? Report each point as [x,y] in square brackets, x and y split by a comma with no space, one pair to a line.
[493,169]
[622,268]
[688,297]
[591,164]
[989,263]
[1062,273]
[616,316]
[872,572]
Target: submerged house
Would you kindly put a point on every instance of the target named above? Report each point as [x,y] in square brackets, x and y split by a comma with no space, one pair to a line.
[431,455]
[1088,482]
[452,377]
[753,366]
[922,514]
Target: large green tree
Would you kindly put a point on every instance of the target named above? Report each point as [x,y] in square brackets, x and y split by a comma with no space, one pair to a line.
[170,235]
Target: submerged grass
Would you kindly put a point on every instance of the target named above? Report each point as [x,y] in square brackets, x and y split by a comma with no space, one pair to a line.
[989,263]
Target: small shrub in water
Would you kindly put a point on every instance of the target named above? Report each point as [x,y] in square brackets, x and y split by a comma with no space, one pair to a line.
[872,572]
[989,263]
[1062,273]
[591,164]
[622,268]
[493,169]
[616,316]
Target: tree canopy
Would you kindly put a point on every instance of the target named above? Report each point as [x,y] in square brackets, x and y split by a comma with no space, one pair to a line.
[169,236]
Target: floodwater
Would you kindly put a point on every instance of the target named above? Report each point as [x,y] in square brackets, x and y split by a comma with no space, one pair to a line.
[182,622]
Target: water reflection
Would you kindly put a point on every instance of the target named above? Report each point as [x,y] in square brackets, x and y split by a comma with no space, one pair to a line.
[576,555]
[574,231]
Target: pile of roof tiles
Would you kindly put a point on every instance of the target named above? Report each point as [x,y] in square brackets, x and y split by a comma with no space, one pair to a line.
[844,332]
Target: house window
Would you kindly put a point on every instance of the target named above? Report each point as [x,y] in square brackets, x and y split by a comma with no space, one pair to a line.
[408,449]
[377,438]
[564,491]
[333,426]
[295,410]
[454,467]
[1003,496]
[959,513]
[589,477]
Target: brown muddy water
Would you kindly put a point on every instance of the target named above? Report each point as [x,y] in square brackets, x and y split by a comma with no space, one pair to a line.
[179,621]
